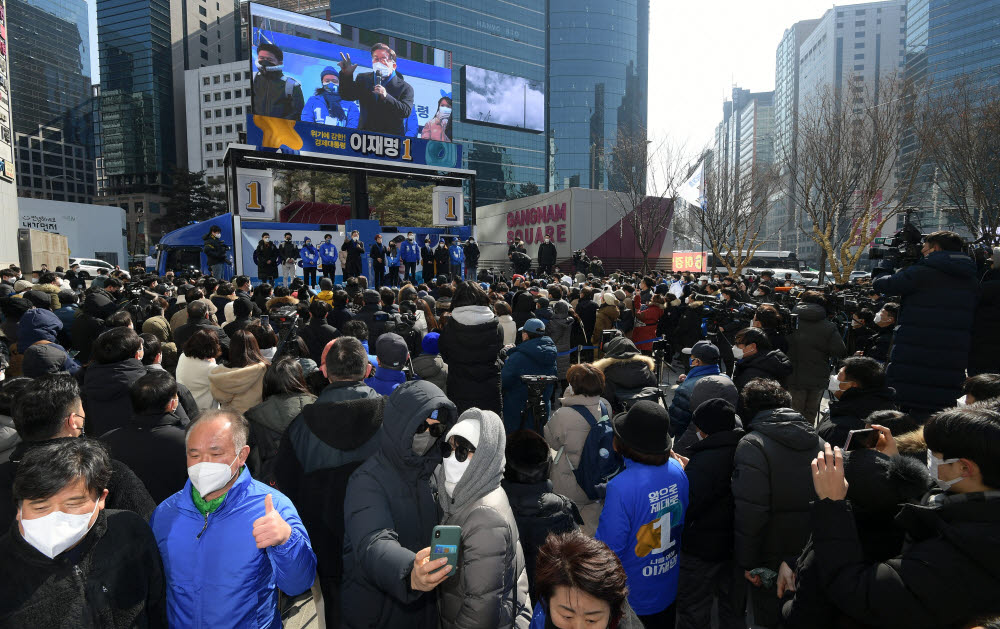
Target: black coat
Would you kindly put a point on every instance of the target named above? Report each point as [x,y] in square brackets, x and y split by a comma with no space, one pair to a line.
[709,518]
[105,396]
[268,259]
[382,114]
[546,254]
[441,258]
[112,579]
[378,321]
[317,333]
[774,365]
[947,575]
[215,249]
[471,250]
[318,453]
[389,513]
[153,447]
[186,331]
[772,487]
[850,411]
[984,357]
[625,375]
[339,317]
[538,512]
[86,328]
[472,355]
[125,491]
[937,309]
[268,422]
[877,345]
[587,309]
[286,250]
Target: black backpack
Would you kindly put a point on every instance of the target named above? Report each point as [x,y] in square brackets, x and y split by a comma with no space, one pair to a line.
[599,462]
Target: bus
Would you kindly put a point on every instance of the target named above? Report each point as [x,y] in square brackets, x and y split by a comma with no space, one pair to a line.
[763,260]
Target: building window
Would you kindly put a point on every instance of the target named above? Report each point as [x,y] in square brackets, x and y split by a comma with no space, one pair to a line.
[239,126]
[860,55]
[218,96]
[859,12]
[208,163]
[859,35]
[228,96]
[246,75]
[208,114]
[216,79]
[205,81]
[859,44]
[238,93]
[239,111]
[218,146]
[229,128]
[208,147]
[202,11]
[204,55]
[208,98]
[225,78]
[203,25]
[229,111]
[218,130]
[859,67]
[859,23]
[218,113]
[208,130]
[203,39]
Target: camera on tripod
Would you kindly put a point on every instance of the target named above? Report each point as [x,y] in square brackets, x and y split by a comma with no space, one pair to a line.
[535,410]
[899,250]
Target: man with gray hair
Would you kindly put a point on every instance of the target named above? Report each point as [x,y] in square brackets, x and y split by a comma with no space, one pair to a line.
[228,542]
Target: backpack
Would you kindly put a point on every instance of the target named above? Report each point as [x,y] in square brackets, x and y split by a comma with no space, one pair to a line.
[599,462]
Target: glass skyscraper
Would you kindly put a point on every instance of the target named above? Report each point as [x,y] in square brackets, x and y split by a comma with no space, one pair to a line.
[590,54]
[136,99]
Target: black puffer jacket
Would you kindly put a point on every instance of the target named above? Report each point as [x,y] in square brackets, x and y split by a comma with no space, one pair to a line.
[317,333]
[125,491]
[811,347]
[985,354]
[850,411]
[319,451]
[152,445]
[105,396]
[877,345]
[268,422]
[937,309]
[470,345]
[772,487]
[112,579]
[708,521]
[625,370]
[774,365]
[389,514]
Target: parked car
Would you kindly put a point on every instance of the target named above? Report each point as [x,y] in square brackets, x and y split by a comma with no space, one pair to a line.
[90,266]
[859,275]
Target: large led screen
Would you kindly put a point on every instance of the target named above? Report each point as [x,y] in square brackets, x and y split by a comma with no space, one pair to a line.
[324,73]
[503,99]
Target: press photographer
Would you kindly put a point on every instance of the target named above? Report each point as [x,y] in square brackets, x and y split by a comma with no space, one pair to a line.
[931,345]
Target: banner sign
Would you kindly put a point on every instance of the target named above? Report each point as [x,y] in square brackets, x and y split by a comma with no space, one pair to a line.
[449,206]
[255,190]
[689,262]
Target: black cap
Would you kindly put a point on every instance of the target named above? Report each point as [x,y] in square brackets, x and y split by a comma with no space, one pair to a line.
[715,415]
[645,428]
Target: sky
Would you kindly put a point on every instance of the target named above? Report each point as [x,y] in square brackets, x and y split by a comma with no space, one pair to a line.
[699,50]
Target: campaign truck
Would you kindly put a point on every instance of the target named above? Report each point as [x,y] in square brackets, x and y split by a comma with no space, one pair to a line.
[92,231]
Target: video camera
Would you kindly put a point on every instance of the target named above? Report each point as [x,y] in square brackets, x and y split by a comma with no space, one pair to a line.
[899,250]
[535,410]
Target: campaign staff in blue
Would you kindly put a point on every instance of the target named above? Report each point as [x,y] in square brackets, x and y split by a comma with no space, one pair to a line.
[327,107]
[409,253]
[328,257]
[310,257]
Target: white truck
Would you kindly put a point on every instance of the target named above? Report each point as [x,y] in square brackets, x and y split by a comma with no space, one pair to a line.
[92,231]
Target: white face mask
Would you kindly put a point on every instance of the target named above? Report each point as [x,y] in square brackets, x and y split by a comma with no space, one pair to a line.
[267,239]
[962,402]
[758,293]
[208,477]
[354,238]
[53,533]
[444,112]
[453,471]
[933,463]
[409,236]
[834,385]
[737,353]
[381,69]
[878,317]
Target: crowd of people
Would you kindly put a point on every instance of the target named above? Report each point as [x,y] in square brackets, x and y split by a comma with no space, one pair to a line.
[183,451]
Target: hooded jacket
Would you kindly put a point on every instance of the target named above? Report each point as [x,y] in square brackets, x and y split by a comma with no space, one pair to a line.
[233,583]
[772,487]
[431,367]
[112,579]
[322,447]
[680,407]
[470,345]
[536,356]
[389,513]
[931,346]
[42,326]
[105,395]
[774,365]
[625,370]
[490,587]
[605,320]
[811,347]
[559,328]
[851,410]
[268,422]
[708,521]
[238,388]
[215,249]
[309,256]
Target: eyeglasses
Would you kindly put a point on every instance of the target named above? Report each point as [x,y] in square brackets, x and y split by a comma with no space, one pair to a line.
[436,429]
[83,417]
[462,449]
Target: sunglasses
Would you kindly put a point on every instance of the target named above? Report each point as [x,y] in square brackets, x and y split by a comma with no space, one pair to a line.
[436,429]
[462,449]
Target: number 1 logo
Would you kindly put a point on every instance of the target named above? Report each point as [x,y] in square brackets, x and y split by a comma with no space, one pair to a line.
[450,215]
[254,204]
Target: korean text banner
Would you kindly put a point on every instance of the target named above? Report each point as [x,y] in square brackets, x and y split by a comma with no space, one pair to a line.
[295,61]
[688,262]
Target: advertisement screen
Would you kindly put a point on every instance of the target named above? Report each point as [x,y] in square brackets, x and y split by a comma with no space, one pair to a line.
[334,75]
[503,99]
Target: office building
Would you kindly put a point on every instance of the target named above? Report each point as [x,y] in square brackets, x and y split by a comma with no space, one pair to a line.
[52,106]
[217,100]
[8,190]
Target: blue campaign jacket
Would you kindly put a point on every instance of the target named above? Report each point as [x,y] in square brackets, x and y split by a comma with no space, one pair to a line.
[309,256]
[409,251]
[391,260]
[327,105]
[385,380]
[456,254]
[328,253]
[680,408]
[642,504]
[216,576]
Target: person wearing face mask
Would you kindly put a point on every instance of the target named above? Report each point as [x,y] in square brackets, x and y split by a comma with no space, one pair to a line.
[377,254]
[385,97]
[215,253]
[409,254]
[946,574]
[439,127]
[328,257]
[289,254]
[48,411]
[471,251]
[266,257]
[326,106]
[68,557]
[426,259]
[878,344]
[456,256]
[706,561]
[704,362]
[228,537]
[390,513]
[354,249]
[546,256]
[275,94]
[491,581]
[857,390]
[309,257]
[755,358]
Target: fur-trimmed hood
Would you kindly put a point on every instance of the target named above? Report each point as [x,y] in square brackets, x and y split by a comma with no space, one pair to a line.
[912,443]
[606,362]
[274,302]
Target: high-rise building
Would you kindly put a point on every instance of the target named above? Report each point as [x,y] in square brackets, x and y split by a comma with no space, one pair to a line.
[8,191]
[52,106]
[590,54]
[949,40]
[217,102]
[202,33]
[136,113]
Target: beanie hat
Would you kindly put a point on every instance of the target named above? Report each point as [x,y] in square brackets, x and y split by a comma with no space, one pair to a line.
[609,299]
[715,415]
[429,344]
[242,307]
[327,71]
[709,387]
[468,429]
[527,457]
[645,427]
[22,285]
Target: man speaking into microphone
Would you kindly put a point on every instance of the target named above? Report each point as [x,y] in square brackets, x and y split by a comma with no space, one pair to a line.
[386,99]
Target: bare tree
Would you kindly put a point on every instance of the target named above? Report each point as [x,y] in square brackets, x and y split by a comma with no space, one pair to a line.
[963,148]
[736,207]
[849,179]
[645,176]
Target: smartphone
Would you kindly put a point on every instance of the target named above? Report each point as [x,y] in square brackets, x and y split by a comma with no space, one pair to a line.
[445,541]
[861,439]
[265,322]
